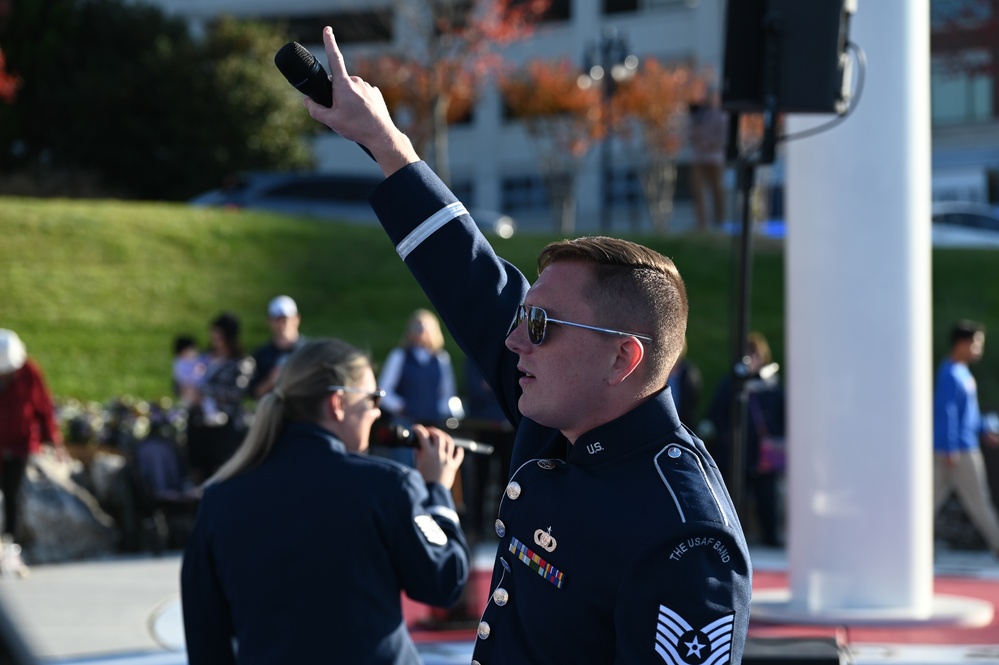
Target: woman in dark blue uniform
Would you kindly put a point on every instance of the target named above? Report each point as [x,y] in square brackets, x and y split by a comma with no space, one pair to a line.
[303,543]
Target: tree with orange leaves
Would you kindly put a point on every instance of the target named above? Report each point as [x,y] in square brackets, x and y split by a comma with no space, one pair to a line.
[563,119]
[648,112]
[433,80]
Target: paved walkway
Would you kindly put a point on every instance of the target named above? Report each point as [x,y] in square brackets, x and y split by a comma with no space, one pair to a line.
[102,612]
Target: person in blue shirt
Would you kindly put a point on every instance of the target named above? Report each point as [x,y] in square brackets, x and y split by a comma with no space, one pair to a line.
[618,541]
[958,431]
[303,544]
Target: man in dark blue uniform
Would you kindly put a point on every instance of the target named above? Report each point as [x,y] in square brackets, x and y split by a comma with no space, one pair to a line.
[618,540]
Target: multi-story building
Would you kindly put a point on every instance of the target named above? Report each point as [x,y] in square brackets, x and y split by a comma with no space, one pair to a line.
[494,165]
[965,90]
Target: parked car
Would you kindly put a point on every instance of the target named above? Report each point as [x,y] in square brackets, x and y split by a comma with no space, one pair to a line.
[965,224]
[956,224]
[322,195]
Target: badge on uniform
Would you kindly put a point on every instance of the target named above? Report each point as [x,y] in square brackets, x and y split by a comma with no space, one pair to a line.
[679,643]
[536,563]
[431,530]
[545,539]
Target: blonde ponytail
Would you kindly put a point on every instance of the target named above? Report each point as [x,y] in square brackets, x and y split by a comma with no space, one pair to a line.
[301,390]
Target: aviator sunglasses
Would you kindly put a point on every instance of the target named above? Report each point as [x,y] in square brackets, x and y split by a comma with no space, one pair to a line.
[374,395]
[538,320]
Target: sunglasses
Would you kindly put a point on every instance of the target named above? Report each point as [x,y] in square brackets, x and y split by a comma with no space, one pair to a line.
[538,320]
[374,395]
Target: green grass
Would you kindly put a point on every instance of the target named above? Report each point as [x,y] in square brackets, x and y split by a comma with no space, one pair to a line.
[99,289]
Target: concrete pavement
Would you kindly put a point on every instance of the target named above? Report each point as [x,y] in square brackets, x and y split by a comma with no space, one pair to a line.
[102,611]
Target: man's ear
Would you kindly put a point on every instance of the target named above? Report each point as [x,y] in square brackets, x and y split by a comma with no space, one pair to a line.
[630,353]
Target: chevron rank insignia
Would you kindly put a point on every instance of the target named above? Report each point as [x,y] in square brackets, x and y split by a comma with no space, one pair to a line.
[679,643]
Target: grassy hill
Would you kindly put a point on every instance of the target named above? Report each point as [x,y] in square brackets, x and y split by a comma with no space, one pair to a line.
[99,289]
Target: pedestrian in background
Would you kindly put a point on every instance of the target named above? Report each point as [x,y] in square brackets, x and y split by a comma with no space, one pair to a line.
[284,321]
[217,420]
[708,133]
[764,454]
[418,380]
[27,423]
[188,369]
[959,430]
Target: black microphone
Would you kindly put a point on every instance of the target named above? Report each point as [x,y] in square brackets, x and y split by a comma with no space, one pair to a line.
[400,436]
[304,72]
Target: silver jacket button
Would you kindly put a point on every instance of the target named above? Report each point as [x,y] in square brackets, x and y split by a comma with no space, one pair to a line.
[500,528]
[501,596]
[483,630]
[513,490]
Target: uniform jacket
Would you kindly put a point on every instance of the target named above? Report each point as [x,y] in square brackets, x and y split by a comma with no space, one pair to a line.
[303,558]
[622,548]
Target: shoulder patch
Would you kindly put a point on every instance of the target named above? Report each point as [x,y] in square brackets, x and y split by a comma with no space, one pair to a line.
[431,530]
[679,643]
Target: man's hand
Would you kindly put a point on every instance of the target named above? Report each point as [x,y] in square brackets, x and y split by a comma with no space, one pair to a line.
[990,438]
[437,458]
[359,113]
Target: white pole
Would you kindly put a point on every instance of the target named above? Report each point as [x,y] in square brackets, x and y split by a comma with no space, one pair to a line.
[859,352]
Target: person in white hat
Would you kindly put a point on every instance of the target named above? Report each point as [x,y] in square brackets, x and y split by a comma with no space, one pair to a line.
[283,320]
[27,421]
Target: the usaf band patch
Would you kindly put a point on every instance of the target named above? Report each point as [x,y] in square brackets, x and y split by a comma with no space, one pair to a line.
[679,643]
[431,530]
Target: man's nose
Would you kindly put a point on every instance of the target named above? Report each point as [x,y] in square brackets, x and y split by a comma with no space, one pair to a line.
[517,340]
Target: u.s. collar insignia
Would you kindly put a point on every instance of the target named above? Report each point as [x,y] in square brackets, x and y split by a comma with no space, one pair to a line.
[679,643]
[545,539]
[431,530]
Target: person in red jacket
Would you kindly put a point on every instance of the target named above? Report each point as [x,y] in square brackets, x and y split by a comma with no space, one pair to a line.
[27,420]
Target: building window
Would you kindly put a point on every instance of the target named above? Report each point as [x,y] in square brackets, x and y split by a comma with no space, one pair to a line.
[965,61]
[523,193]
[961,94]
[623,187]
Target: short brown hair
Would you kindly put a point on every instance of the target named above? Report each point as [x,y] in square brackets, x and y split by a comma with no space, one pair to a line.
[635,288]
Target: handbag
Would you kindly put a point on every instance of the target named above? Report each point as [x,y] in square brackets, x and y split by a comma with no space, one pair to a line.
[772,457]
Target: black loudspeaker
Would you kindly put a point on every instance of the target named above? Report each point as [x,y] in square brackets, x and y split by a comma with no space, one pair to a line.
[795,651]
[795,49]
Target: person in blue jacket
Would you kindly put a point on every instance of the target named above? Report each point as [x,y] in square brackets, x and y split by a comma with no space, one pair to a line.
[303,544]
[618,542]
[959,430]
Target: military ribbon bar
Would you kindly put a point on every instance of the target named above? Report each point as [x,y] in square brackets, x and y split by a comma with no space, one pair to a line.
[536,563]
